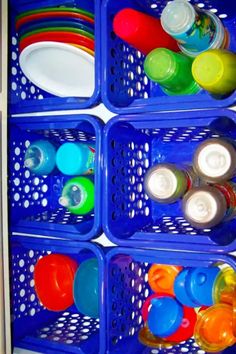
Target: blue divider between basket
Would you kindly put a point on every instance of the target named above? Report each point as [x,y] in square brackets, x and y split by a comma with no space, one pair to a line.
[24,97]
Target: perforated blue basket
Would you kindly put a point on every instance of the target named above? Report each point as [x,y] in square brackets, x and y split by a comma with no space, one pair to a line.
[36,328]
[134,143]
[25,96]
[33,200]
[125,88]
[127,289]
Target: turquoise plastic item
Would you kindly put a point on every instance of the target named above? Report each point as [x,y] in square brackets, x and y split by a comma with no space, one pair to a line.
[40,157]
[86,288]
[76,158]
[165,316]
[200,283]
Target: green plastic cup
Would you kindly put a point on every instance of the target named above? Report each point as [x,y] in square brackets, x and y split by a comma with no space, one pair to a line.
[172,71]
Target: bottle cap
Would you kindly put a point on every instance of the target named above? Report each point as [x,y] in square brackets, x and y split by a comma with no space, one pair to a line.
[136,28]
[147,303]
[200,284]
[180,290]
[164,183]
[161,278]
[214,328]
[54,276]
[177,17]
[148,339]
[165,316]
[81,201]
[215,71]
[204,207]
[172,71]
[86,288]
[215,160]
[70,158]
[186,329]
[224,286]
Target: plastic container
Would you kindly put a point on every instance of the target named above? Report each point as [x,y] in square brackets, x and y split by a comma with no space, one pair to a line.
[127,289]
[78,196]
[26,97]
[132,144]
[40,157]
[172,71]
[215,160]
[38,329]
[34,200]
[76,159]
[166,183]
[195,29]
[125,87]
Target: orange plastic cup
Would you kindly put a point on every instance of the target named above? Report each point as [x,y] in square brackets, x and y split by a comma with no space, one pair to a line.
[214,328]
[54,277]
[161,278]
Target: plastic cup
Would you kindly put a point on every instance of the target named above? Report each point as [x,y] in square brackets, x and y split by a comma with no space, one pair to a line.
[142,31]
[76,158]
[54,276]
[172,71]
[196,30]
[148,339]
[215,71]
[86,289]
[225,285]
[186,329]
[147,303]
[180,290]
[214,328]
[161,278]
[78,195]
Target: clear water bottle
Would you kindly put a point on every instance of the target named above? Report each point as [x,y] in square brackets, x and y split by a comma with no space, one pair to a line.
[40,157]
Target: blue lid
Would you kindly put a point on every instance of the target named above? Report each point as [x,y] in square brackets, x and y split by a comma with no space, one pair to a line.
[71,158]
[165,316]
[200,284]
[180,289]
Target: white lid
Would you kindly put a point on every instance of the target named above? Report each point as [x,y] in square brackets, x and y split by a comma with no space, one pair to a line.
[201,207]
[162,183]
[214,160]
[177,17]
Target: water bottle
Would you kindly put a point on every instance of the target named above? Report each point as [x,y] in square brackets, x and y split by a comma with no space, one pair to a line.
[40,157]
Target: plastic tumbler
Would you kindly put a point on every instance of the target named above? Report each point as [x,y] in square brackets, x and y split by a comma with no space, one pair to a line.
[215,71]
[161,278]
[142,31]
[86,292]
[196,30]
[40,157]
[76,158]
[78,195]
[172,71]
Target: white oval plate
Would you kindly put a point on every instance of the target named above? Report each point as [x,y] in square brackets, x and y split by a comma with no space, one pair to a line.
[59,68]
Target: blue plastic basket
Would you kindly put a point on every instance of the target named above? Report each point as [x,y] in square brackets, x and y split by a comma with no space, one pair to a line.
[34,207]
[134,143]
[127,289]
[26,97]
[36,328]
[125,88]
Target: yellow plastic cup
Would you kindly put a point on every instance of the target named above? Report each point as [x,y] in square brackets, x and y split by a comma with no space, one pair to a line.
[224,286]
[215,71]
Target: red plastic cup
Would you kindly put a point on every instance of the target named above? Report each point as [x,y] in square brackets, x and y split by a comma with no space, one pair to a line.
[142,31]
[54,277]
[186,329]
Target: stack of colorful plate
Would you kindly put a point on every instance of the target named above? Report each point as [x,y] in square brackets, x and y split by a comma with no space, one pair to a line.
[57,50]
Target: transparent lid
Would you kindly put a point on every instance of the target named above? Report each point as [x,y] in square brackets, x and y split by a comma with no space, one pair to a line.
[177,17]
[204,207]
[215,159]
[162,183]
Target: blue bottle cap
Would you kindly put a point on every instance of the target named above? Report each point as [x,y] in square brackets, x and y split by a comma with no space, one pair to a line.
[200,284]
[165,316]
[71,158]
[180,289]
